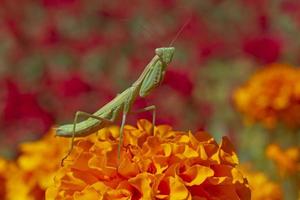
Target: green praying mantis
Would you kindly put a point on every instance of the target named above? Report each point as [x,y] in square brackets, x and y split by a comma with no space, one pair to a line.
[150,78]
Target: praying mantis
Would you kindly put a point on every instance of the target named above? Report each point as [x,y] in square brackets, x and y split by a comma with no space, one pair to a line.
[150,79]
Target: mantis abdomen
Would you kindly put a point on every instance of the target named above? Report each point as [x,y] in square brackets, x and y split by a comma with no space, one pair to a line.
[83,128]
[106,114]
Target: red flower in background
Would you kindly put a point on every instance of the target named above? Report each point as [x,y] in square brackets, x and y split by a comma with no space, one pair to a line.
[115,10]
[264,22]
[50,36]
[88,43]
[23,108]
[266,49]
[167,4]
[14,28]
[290,6]
[210,49]
[57,3]
[74,86]
[180,81]
[70,93]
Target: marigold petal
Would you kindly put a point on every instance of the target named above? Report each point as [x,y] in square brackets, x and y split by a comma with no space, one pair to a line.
[164,132]
[193,140]
[202,136]
[52,193]
[202,153]
[133,136]
[81,162]
[161,163]
[196,175]
[220,180]
[152,146]
[178,190]
[145,125]
[142,182]
[183,139]
[127,167]
[167,149]
[101,168]
[189,152]
[237,176]
[69,182]
[121,194]
[227,152]
[225,192]
[108,133]
[87,194]
[161,187]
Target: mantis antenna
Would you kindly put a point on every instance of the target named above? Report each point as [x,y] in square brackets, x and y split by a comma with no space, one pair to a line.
[180,31]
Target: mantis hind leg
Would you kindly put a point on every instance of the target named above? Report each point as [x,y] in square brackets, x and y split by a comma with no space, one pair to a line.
[148,108]
[80,113]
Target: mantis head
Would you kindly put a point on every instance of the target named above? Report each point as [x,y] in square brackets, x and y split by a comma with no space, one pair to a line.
[156,72]
[165,54]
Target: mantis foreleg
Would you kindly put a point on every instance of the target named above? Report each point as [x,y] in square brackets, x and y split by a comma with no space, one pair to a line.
[77,115]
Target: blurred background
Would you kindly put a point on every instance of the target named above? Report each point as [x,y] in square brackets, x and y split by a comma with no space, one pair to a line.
[61,56]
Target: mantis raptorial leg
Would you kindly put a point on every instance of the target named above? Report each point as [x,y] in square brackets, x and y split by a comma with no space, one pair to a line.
[85,114]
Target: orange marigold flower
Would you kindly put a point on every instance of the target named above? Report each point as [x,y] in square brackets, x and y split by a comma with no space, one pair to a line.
[271,95]
[287,161]
[34,170]
[165,165]
[261,187]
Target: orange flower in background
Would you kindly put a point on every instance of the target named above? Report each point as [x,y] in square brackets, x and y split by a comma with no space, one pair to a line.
[12,186]
[272,95]
[3,177]
[165,165]
[35,168]
[287,161]
[261,187]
